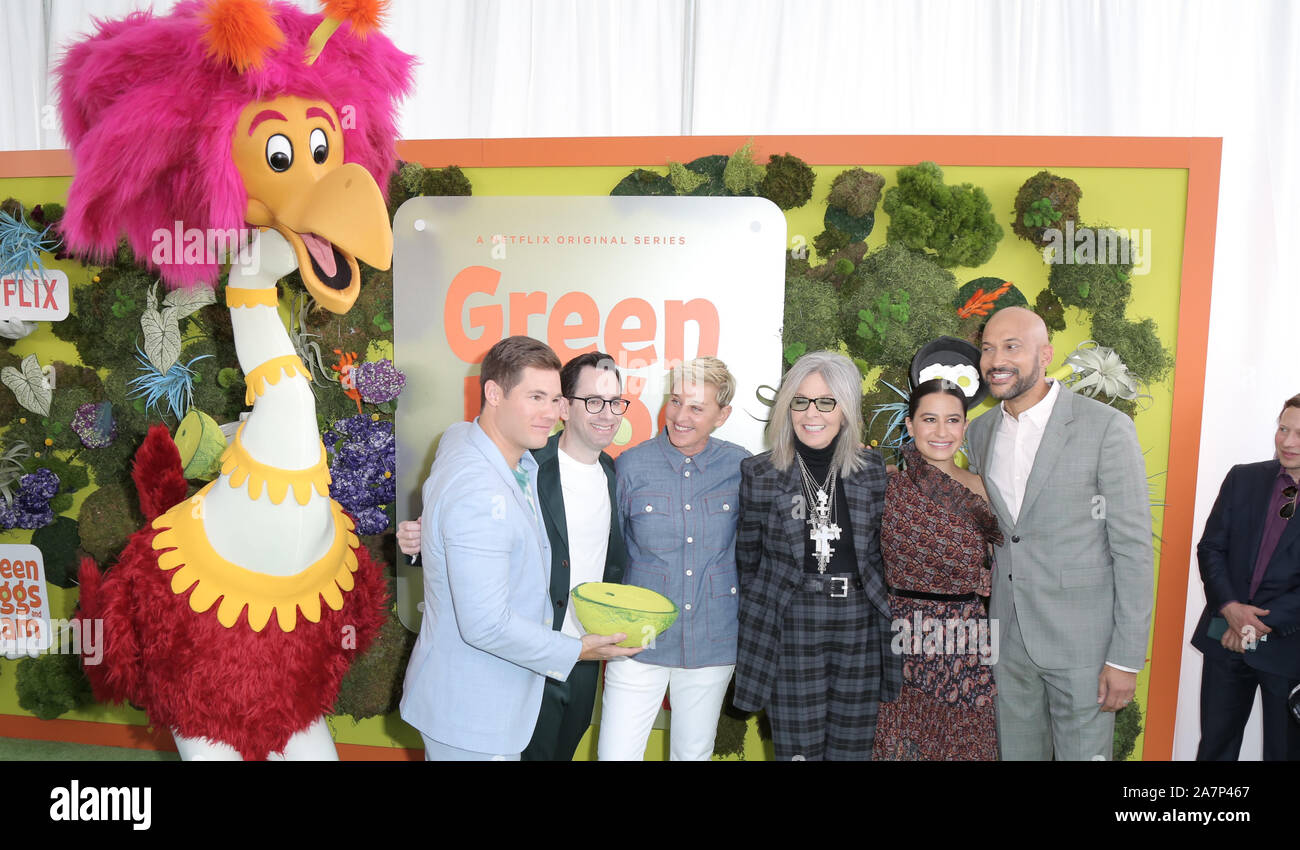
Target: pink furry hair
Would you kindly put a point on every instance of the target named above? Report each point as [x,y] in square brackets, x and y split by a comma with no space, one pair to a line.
[149,119]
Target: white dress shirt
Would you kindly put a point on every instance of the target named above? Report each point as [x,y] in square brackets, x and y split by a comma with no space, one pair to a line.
[1015,445]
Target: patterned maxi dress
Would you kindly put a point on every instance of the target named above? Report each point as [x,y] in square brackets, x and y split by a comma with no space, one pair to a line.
[934,536]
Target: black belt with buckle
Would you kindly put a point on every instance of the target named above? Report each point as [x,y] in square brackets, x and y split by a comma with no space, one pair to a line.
[835,586]
[933,597]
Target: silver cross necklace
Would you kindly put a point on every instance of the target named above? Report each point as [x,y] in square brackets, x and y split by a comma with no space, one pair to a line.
[821,514]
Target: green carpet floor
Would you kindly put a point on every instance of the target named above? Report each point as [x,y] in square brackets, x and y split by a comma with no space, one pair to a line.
[18,749]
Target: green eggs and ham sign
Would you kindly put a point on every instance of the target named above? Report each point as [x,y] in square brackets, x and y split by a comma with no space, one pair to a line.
[652,281]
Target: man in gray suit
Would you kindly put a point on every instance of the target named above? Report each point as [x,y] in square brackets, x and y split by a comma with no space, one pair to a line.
[1072,584]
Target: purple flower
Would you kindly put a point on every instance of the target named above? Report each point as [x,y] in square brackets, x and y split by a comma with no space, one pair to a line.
[95,425]
[31,505]
[42,483]
[379,381]
[363,457]
[370,521]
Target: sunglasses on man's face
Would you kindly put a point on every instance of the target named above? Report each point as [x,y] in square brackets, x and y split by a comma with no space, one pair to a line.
[1288,510]
[825,404]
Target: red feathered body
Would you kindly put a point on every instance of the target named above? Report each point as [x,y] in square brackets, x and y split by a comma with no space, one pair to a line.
[251,690]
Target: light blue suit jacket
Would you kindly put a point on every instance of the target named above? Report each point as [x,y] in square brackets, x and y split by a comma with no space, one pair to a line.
[475,676]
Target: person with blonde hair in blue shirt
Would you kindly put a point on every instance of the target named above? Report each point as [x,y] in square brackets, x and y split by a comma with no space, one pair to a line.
[678,499]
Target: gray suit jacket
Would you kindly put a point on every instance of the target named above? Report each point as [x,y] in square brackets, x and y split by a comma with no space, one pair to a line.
[1077,563]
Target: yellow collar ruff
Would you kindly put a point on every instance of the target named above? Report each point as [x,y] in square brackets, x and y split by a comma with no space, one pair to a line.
[270,372]
[240,466]
[212,577]
[238,296]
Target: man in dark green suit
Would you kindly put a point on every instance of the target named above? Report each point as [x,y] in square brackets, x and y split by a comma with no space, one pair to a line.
[576,488]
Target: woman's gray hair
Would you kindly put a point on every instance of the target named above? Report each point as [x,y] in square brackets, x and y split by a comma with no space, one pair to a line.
[845,382]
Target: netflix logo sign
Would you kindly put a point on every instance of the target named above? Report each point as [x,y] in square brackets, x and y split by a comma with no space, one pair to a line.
[33,297]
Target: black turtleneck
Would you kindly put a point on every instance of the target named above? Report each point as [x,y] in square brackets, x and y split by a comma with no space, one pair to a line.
[843,558]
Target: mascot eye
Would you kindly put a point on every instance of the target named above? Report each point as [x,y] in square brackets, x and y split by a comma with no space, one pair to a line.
[320,146]
[279,152]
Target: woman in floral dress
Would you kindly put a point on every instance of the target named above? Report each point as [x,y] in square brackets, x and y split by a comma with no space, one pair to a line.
[934,538]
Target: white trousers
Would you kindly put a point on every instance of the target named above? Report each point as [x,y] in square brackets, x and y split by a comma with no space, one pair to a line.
[633,693]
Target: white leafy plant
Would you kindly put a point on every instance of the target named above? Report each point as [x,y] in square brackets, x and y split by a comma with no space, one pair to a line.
[162,328]
[32,386]
[1098,370]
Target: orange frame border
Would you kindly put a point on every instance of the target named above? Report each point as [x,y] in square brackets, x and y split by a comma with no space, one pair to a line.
[1200,156]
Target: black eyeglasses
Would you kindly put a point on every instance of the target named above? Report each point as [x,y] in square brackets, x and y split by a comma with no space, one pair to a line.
[1288,510]
[595,404]
[825,404]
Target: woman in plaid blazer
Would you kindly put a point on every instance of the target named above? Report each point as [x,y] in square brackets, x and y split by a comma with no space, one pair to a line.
[814,642]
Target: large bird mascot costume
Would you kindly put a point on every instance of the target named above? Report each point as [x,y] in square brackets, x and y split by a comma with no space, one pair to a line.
[233,615]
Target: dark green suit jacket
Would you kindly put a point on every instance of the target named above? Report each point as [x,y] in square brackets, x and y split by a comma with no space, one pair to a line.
[557,527]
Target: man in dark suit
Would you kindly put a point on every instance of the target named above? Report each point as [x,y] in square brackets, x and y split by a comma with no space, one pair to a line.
[577,490]
[1250,563]
[576,485]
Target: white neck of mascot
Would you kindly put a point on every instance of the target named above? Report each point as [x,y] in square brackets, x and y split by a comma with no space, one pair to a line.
[272,538]
[281,430]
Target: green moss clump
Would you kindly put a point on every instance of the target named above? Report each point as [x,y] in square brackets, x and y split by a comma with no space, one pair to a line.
[841,265]
[1091,283]
[954,225]
[1128,725]
[53,684]
[109,516]
[222,403]
[104,322]
[856,191]
[742,175]
[788,182]
[683,179]
[907,300]
[1062,195]
[50,213]
[67,375]
[1051,310]
[811,314]
[58,543]
[642,181]
[446,181]
[1136,343]
[410,178]
[831,240]
[373,685]
[713,167]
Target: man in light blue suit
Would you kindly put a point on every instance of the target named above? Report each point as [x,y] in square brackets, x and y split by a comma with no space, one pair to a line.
[474,682]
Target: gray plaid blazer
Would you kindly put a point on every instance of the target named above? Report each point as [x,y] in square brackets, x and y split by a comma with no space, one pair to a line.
[1077,563]
[769,560]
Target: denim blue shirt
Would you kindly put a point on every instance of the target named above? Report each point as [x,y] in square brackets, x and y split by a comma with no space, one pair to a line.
[679,518]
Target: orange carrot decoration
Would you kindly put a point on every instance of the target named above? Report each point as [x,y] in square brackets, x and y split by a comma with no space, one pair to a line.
[981,302]
[240,32]
[347,369]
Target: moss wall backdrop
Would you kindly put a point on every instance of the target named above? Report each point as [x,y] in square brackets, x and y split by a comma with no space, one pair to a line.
[882,258]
